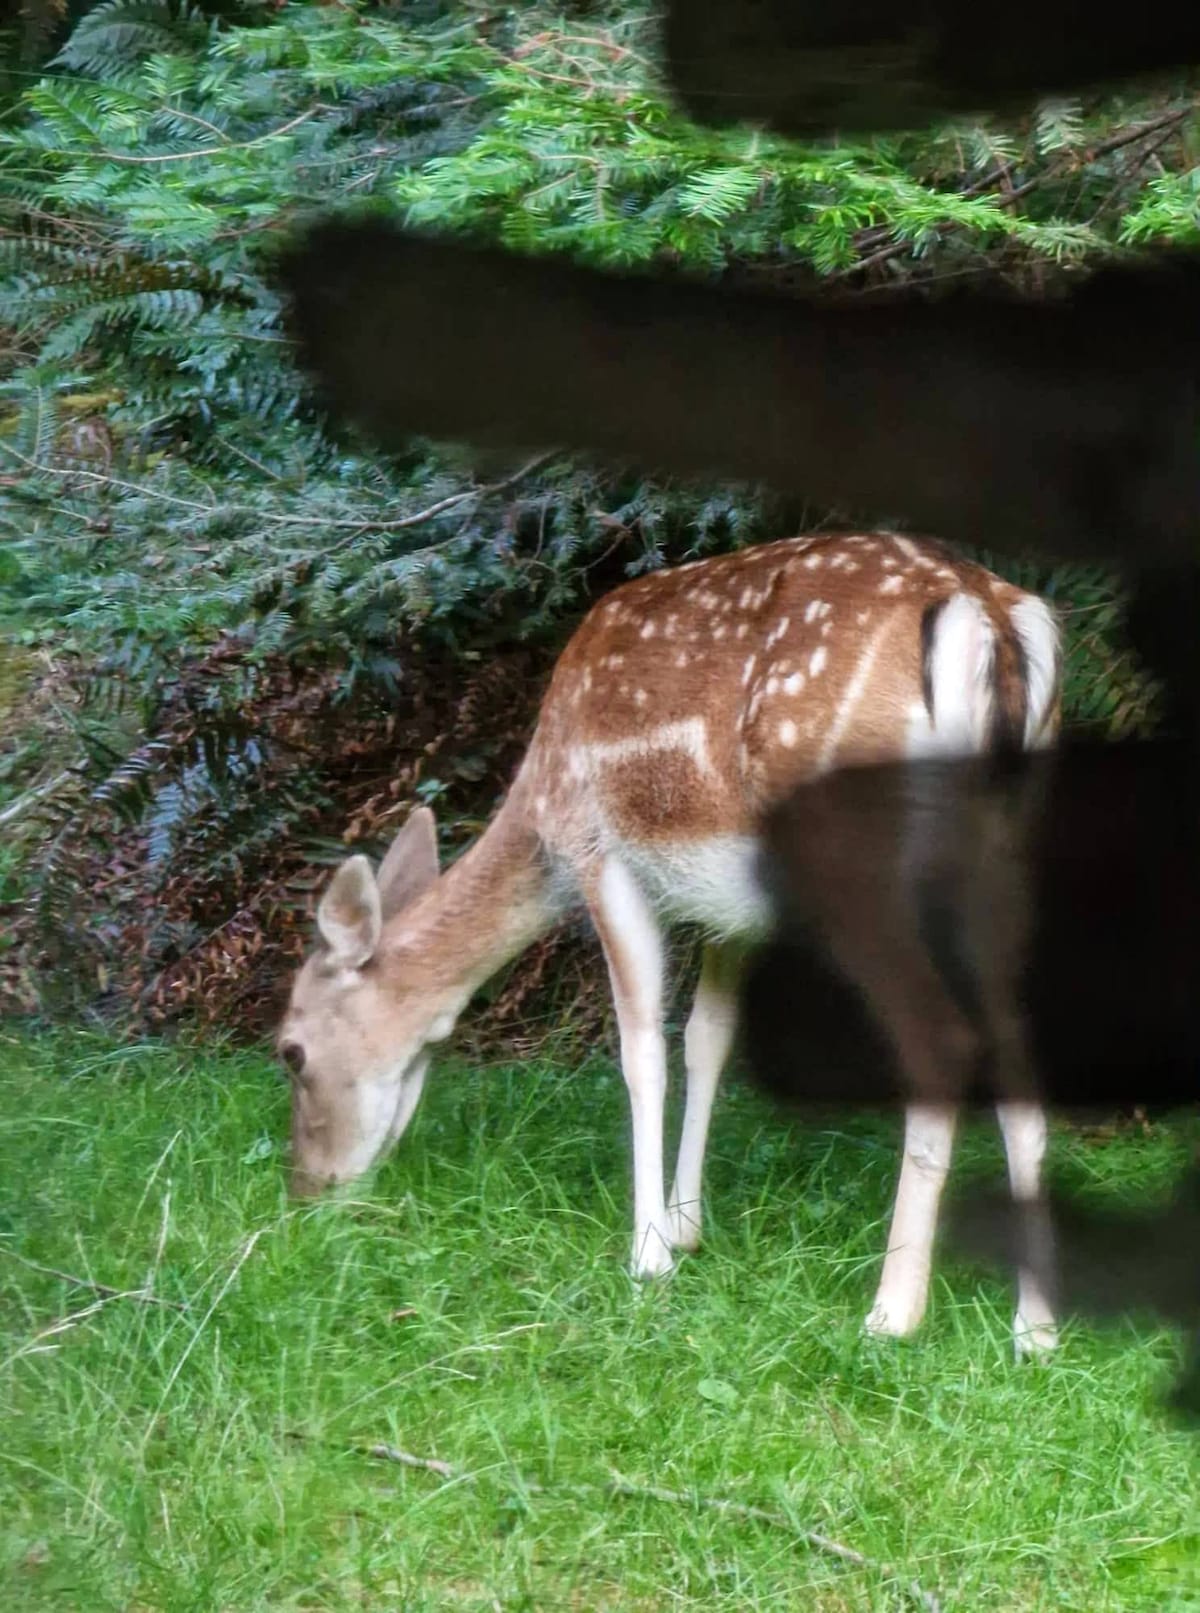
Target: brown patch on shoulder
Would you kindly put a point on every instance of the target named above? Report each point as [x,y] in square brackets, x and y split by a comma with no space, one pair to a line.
[662,796]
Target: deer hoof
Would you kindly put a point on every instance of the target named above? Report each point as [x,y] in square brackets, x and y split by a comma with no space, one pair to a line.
[1033,1341]
[652,1255]
[684,1226]
[892,1320]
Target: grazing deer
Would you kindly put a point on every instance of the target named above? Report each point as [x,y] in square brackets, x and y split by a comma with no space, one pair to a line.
[686,704]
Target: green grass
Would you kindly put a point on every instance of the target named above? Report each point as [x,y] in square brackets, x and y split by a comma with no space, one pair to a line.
[212,1458]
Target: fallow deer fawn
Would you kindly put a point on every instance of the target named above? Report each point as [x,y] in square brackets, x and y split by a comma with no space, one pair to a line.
[687,702]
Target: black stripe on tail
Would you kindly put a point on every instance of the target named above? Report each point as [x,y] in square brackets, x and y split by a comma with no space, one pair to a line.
[1008,680]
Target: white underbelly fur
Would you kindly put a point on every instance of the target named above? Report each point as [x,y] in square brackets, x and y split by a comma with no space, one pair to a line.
[714,883]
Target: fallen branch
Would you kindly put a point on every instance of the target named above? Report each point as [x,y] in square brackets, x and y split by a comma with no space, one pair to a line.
[427,1464]
[143,1296]
[39,792]
[618,1486]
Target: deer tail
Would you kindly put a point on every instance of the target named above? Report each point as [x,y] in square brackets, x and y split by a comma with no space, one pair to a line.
[991,683]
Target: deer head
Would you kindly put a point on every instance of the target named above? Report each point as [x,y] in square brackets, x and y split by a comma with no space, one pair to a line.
[364,1010]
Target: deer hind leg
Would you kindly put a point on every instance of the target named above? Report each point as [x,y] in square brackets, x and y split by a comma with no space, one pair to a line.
[632,942]
[937,1048]
[1000,921]
[1023,1125]
[707,1040]
[903,1291]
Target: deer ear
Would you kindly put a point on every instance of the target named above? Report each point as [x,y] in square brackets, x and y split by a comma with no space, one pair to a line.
[350,915]
[411,864]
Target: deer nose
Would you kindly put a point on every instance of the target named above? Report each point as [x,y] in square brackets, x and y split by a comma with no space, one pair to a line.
[308,1184]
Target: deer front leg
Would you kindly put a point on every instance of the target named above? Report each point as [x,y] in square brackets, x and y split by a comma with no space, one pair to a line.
[707,1039]
[632,943]
[904,1285]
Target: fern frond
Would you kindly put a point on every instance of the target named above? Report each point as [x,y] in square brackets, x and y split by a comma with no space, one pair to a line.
[117,33]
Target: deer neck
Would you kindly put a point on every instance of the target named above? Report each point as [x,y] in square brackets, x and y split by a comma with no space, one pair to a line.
[487,907]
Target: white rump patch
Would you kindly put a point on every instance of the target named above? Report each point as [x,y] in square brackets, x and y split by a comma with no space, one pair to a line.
[1034,624]
[960,664]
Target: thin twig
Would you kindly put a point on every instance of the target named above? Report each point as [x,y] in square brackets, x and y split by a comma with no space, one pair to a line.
[618,1486]
[142,1295]
[37,1344]
[1091,154]
[741,1509]
[1119,191]
[203,151]
[427,1464]
[450,502]
[289,519]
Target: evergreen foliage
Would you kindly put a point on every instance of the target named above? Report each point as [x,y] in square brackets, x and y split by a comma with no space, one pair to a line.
[181,535]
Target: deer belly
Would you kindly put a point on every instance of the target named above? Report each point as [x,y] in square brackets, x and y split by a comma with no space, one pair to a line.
[713,882]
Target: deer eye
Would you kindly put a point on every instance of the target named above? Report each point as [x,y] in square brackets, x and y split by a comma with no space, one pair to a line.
[292,1055]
